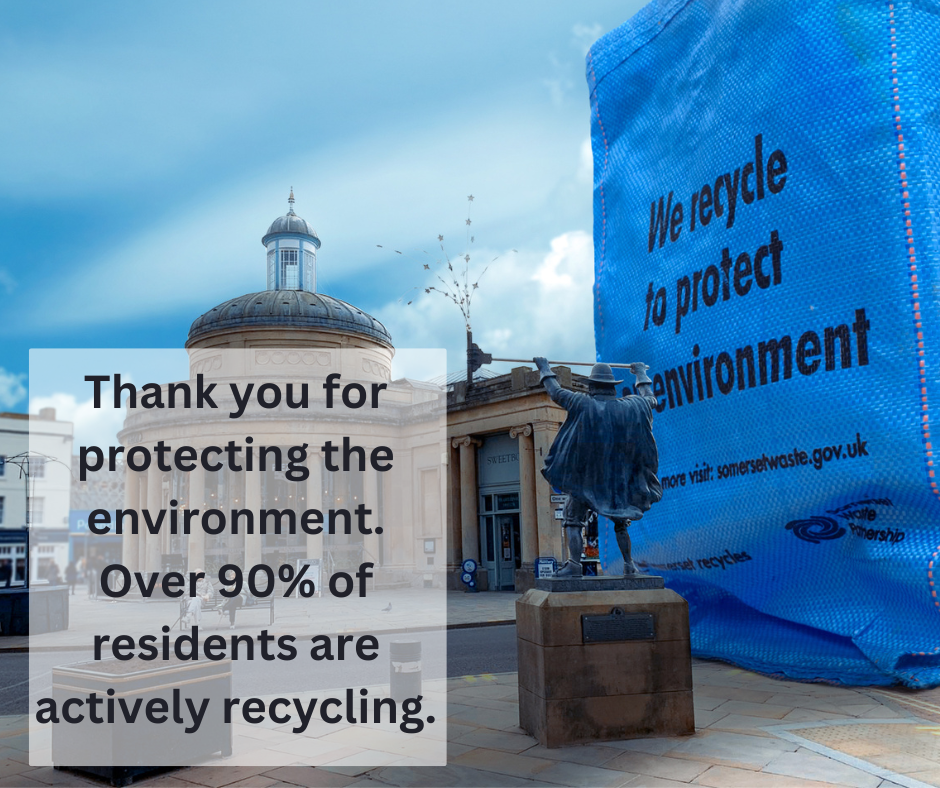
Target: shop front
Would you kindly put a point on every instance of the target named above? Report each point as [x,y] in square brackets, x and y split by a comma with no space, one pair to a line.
[499,506]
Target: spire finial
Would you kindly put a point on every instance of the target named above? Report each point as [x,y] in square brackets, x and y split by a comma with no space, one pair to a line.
[290,200]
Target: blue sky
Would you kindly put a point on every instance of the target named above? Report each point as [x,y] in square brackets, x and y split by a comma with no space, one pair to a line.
[147,146]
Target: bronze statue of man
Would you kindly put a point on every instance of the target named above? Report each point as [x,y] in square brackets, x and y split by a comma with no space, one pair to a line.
[604,457]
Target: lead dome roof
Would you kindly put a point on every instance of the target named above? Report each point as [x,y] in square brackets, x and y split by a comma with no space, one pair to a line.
[291,223]
[289,309]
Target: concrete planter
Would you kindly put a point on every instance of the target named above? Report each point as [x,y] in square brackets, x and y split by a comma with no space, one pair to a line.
[133,745]
[50,610]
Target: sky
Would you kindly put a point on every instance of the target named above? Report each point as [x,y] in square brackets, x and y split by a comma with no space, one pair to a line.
[146,147]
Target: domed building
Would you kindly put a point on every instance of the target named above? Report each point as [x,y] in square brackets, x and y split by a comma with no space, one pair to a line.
[290,334]
[290,313]
[501,512]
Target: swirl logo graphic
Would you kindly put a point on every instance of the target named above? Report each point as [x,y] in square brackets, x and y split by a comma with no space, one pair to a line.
[816,529]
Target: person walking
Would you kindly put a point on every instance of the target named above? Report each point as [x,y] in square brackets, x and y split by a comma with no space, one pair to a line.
[71,576]
[91,575]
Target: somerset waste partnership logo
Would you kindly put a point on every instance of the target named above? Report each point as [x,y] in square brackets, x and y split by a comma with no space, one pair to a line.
[816,529]
[858,515]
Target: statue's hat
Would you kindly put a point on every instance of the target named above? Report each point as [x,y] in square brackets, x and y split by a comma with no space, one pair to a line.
[602,373]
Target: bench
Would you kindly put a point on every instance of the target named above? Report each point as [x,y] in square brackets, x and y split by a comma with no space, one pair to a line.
[218,602]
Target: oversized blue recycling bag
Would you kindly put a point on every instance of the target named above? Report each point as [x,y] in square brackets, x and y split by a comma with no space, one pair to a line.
[766,222]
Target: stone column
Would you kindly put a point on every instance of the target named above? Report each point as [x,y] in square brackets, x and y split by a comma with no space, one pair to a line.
[253,504]
[196,547]
[469,518]
[315,501]
[370,496]
[527,501]
[154,504]
[549,530]
[143,483]
[129,541]
[401,541]
[454,542]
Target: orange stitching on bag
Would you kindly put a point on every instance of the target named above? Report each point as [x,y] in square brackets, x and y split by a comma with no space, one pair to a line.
[909,234]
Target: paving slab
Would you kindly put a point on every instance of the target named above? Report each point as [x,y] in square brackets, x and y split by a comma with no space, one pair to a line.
[706,702]
[730,693]
[579,774]
[704,718]
[497,740]
[451,775]
[258,781]
[929,777]
[645,781]
[808,765]
[810,715]
[732,749]
[513,765]
[591,754]
[903,763]
[730,777]
[217,776]
[21,781]
[305,776]
[454,749]
[653,746]
[658,766]
[742,723]
[770,710]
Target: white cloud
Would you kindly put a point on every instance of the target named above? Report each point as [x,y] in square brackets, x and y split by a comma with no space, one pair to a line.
[561,84]
[12,389]
[92,426]
[530,303]
[569,251]
[586,163]
[419,364]
[583,36]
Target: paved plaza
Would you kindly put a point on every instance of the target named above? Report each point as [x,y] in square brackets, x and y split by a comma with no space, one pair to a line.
[752,731]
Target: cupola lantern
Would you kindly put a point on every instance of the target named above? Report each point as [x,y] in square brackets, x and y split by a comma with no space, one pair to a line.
[291,245]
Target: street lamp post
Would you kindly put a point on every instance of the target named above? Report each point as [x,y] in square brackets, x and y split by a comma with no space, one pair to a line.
[21,461]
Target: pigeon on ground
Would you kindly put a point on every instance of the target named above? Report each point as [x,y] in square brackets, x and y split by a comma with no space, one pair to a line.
[387,609]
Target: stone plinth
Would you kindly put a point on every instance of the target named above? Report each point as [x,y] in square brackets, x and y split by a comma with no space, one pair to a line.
[572,691]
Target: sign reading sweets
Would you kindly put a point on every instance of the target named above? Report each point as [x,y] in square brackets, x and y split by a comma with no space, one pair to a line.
[276,504]
[765,203]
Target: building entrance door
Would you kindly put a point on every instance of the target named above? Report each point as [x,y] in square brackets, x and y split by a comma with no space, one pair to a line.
[500,549]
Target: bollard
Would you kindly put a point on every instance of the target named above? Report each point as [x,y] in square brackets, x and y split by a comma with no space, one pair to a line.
[405,670]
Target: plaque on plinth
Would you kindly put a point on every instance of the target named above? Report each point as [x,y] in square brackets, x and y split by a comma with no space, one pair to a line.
[603,665]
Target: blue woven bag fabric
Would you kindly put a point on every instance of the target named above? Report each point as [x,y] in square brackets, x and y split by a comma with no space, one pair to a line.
[766,226]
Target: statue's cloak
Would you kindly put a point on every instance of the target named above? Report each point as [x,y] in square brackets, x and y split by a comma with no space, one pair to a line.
[605,453]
